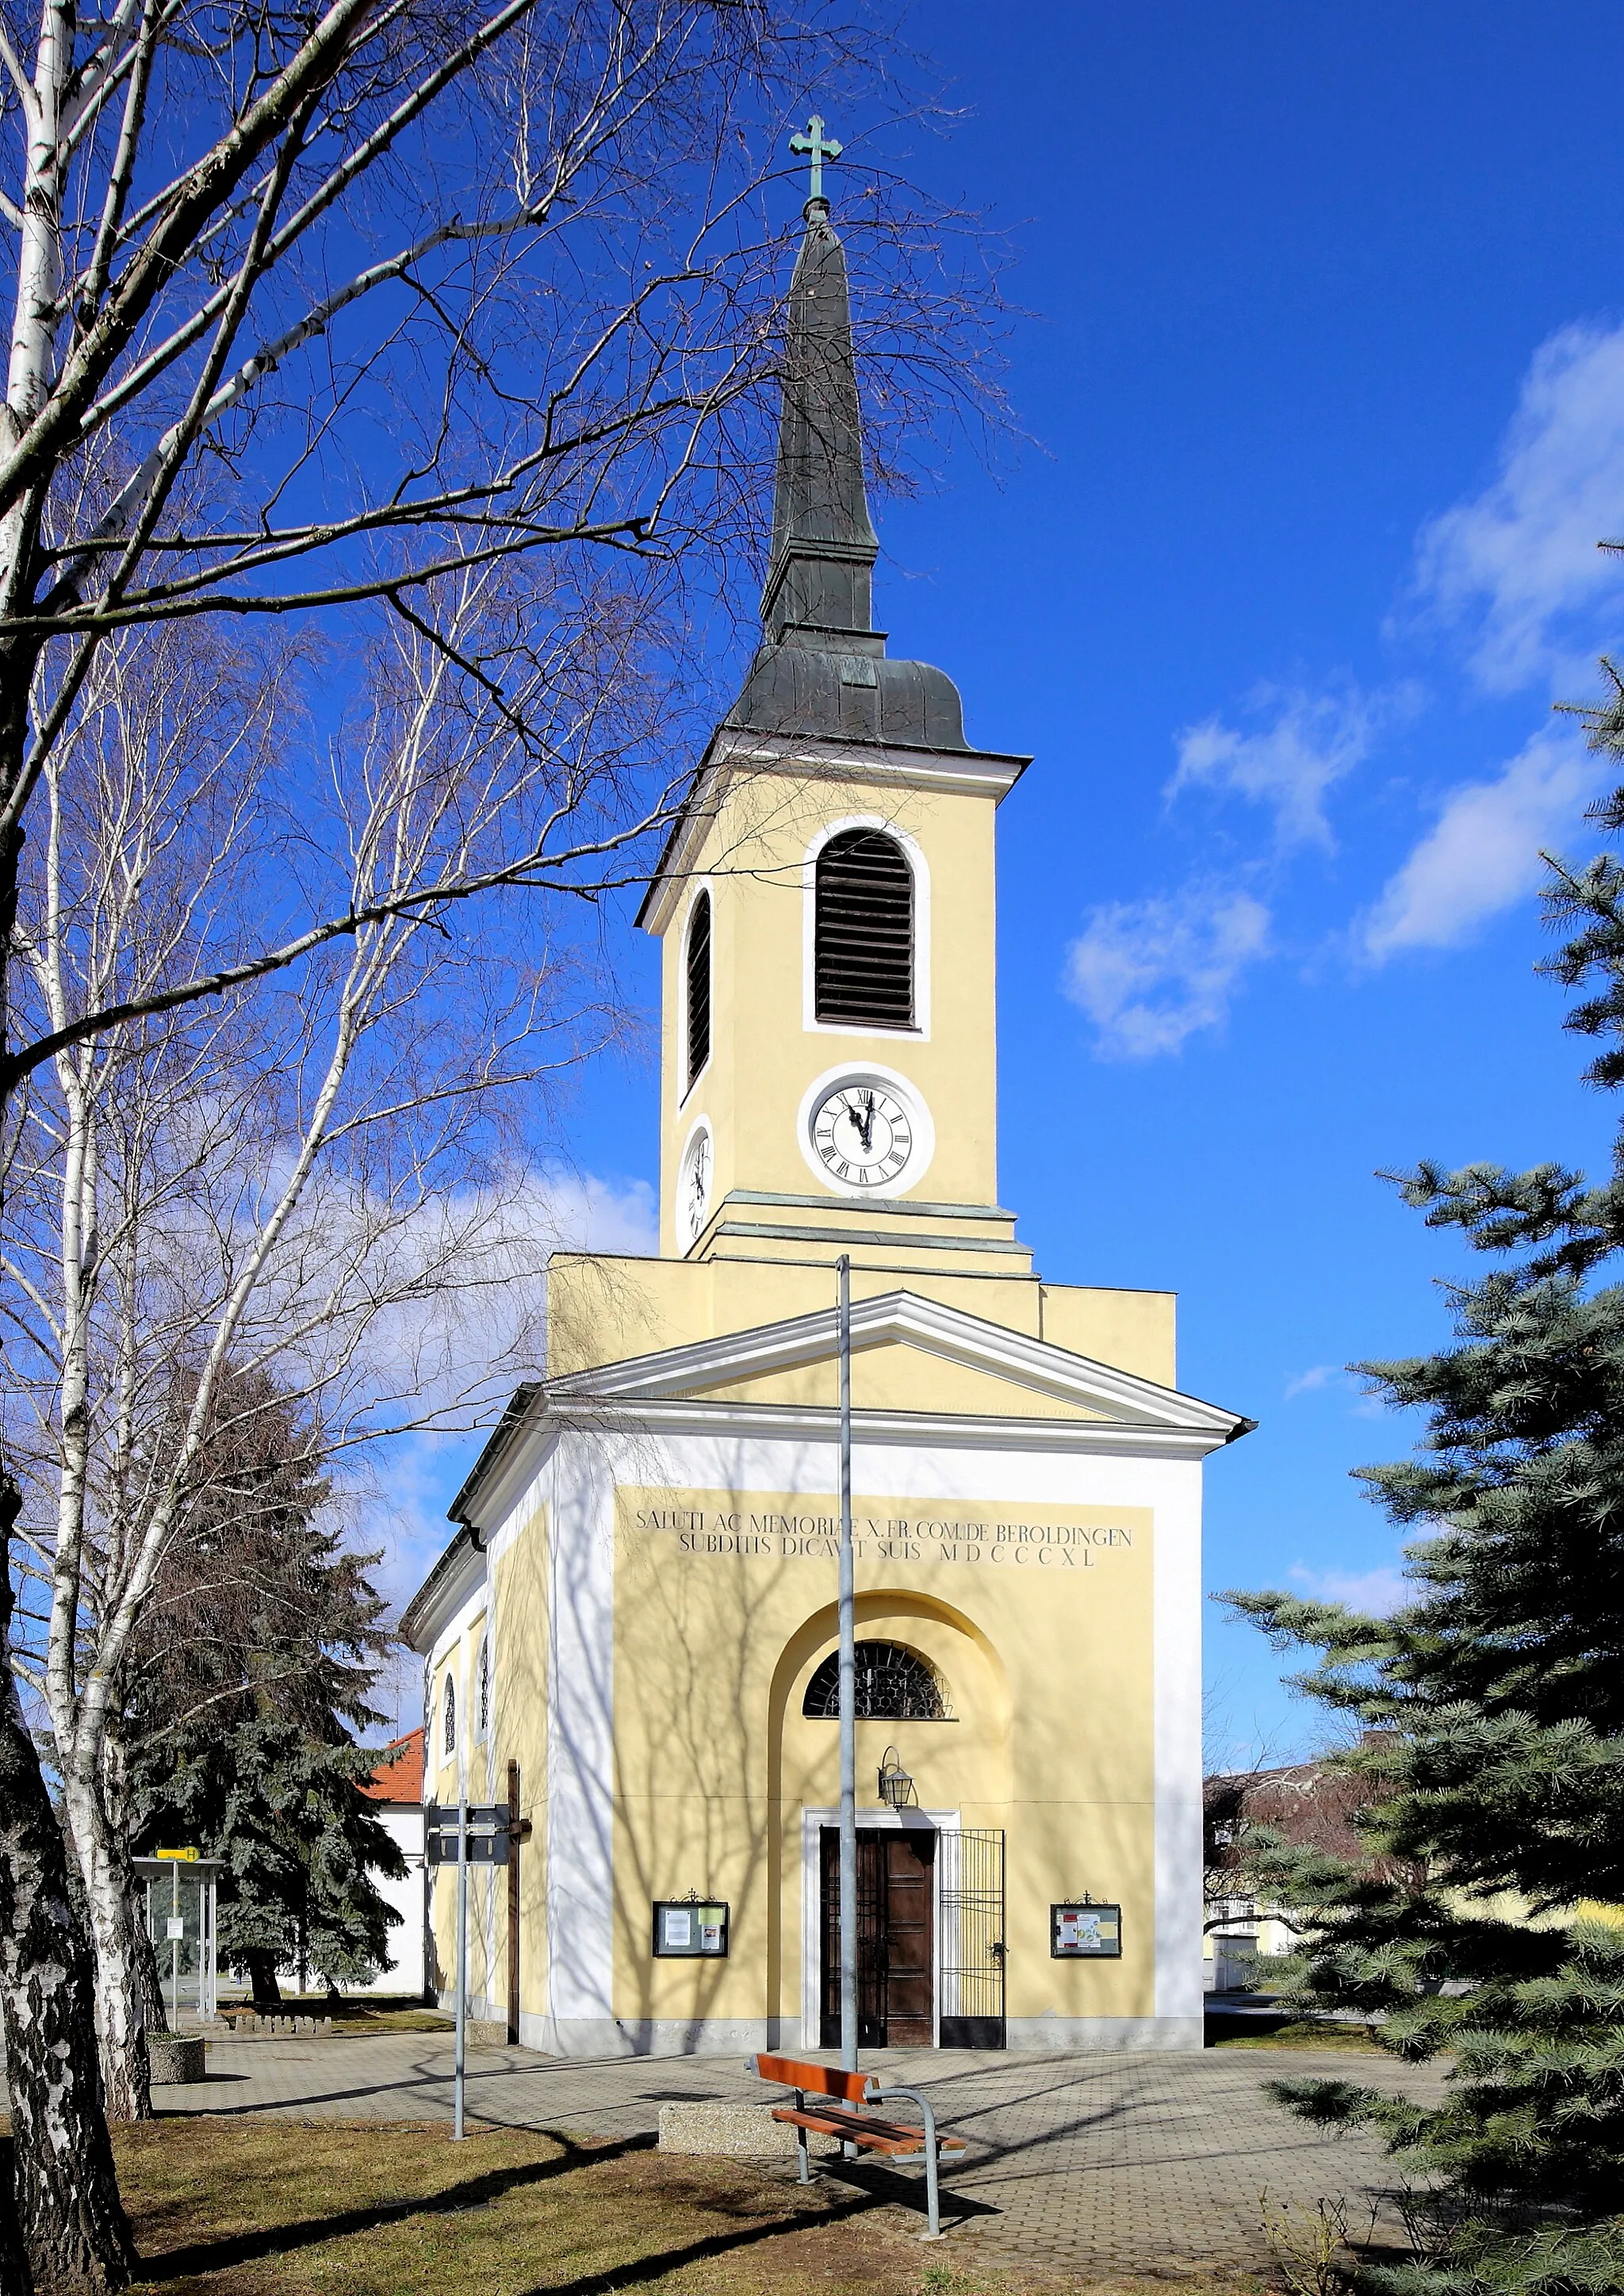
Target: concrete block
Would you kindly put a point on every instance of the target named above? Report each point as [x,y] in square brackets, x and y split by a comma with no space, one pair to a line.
[174,2057]
[740,2132]
[487,2032]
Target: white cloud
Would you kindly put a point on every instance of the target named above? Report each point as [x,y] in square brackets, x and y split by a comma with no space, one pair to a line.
[595,1215]
[1310,1382]
[1519,559]
[1378,1593]
[1150,974]
[1483,853]
[1291,763]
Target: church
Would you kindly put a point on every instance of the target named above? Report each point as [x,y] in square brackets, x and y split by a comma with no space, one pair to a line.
[631,1640]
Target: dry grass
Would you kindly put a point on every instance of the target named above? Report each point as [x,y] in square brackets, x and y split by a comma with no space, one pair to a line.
[357,2015]
[273,2207]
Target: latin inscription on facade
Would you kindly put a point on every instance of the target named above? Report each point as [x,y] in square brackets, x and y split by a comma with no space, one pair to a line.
[769,1534]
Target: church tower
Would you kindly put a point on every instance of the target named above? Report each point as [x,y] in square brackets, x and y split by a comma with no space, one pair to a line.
[631,1638]
[826,903]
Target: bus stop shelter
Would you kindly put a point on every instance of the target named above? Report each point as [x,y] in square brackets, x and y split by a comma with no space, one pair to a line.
[179,1897]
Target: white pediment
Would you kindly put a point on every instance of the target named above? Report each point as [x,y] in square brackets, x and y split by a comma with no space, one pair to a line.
[1099,1392]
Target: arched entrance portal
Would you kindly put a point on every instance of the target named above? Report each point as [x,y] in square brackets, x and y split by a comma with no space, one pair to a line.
[933,1712]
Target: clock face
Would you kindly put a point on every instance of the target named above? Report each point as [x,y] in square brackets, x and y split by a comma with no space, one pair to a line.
[694,1187]
[863,1132]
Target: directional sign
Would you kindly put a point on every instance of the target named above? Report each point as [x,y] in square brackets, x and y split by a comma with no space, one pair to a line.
[483,1849]
[483,1817]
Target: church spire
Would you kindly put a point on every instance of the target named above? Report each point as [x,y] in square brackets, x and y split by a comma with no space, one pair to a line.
[819,579]
[821,672]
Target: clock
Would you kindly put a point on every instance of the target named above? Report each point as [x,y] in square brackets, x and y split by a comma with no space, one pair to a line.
[866,1132]
[693,1187]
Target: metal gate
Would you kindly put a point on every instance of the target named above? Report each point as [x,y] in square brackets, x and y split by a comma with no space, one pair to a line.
[970,1915]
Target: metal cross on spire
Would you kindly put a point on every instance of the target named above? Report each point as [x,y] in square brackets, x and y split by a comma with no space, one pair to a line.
[818,147]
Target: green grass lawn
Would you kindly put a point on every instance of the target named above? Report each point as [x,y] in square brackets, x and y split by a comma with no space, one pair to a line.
[1228,2031]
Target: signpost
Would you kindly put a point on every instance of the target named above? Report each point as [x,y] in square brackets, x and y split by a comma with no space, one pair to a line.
[466,1833]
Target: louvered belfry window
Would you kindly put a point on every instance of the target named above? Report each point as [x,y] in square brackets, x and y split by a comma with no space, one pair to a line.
[863,940]
[699,986]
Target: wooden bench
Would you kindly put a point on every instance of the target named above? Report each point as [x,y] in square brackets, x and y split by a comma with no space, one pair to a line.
[836,2104]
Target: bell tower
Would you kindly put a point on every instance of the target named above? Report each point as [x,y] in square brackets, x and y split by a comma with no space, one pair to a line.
[826,899]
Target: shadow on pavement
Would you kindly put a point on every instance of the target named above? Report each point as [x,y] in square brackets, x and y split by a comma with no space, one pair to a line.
[896,2188]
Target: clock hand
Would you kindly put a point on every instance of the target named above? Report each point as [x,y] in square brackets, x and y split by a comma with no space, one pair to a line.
[866,1125]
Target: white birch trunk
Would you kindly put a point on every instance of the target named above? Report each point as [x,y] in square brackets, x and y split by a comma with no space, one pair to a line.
[120,2017]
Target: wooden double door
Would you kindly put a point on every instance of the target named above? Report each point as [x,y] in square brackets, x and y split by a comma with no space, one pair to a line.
[896,1937]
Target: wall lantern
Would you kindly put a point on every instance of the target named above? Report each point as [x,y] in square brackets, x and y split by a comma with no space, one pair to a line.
[895,1786]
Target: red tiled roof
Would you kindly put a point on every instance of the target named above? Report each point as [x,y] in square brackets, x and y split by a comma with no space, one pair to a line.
[398,1777]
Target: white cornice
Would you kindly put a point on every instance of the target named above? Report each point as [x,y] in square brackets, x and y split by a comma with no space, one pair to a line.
[985,773]
[458,1574]
[915,1430]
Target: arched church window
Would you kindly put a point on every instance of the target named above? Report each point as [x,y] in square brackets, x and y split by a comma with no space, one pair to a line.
[447,1725]
[863,937]
[697,984]
[482,1708]
[893,1685]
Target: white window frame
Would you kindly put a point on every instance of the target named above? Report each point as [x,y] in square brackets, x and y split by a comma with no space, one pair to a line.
[684,1089]
[919,1033]
[876,1821]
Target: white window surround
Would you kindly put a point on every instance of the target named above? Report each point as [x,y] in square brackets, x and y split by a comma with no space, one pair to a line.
[686,1090]
[921,1031]
[812,1824]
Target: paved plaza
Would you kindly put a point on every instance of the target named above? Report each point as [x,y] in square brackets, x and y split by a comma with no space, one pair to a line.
[1111,2163]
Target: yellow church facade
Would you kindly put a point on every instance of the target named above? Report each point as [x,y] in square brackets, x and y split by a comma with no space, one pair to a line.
[632,1634]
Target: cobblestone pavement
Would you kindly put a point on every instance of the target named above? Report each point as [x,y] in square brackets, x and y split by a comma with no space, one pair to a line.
[1136,2161]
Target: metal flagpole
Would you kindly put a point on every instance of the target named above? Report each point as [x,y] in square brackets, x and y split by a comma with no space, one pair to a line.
[849,1702]
[461,1959]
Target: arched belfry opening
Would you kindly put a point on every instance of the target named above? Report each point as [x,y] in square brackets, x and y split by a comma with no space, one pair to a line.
[697,984]
[862,939]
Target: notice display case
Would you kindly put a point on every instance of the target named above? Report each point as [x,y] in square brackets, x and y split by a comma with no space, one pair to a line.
[690,1929]
[1085,1932]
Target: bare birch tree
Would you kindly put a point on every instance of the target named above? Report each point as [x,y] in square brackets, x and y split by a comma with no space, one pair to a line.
[315,314]
[296,1183]
[422,289]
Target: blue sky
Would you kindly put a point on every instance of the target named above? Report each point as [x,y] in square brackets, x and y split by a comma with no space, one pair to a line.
[1324,376]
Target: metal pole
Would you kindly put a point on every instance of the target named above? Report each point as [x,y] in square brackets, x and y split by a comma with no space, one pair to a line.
[174,1950]
[848,1700]
[462,1958]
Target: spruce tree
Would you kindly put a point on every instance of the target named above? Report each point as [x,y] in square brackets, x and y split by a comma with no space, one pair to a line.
[1491,1746]
[248,1703]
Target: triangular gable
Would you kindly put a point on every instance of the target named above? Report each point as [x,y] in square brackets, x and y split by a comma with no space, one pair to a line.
[738,1361]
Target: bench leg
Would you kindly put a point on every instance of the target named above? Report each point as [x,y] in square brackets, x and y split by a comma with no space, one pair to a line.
[803,2155]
